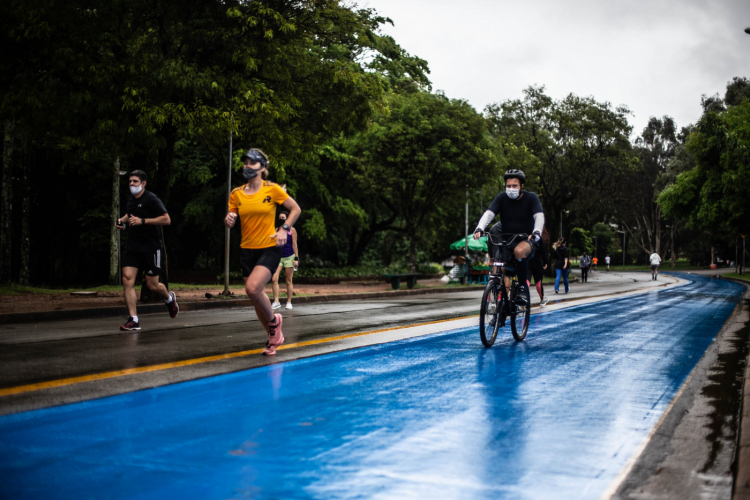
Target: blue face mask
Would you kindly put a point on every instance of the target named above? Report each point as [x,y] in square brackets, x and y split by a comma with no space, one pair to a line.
[512,193]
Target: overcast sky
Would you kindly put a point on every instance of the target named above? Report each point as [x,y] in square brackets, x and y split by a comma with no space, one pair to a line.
[655,56]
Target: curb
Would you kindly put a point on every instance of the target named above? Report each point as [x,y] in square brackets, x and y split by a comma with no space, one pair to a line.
[741,466]
[104,312]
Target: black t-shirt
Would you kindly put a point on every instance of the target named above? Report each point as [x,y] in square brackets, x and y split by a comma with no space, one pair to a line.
[144,238]
[517,216]
[561,254]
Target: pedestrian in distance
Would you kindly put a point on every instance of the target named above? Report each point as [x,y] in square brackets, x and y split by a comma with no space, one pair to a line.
[254,204]
[594,263]
[538,264]
[655,261]
[606,261]
[144,249]
[584,262]
[289,262]
[562,264]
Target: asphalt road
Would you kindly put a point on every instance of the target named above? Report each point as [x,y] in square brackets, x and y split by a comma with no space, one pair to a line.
[433,416]
[34,358]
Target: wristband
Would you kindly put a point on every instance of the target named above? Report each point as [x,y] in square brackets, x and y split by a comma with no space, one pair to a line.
[143,221]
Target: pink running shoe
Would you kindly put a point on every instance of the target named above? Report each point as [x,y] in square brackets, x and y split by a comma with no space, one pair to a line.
[275,336]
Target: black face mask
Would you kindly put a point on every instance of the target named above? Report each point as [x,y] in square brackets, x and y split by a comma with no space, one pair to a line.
[249,173]
[282,222]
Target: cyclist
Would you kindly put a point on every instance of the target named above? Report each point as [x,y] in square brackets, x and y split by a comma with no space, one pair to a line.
[520,212]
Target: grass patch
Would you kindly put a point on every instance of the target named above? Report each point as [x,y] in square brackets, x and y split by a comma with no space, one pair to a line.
[13,289]
[743,277]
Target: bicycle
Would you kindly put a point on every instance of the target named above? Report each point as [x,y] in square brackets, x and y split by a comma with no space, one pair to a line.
[499,303]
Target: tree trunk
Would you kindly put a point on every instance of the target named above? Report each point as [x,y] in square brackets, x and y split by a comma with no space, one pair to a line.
[713,255]
[671,244]
[412,252]
[164,168]
[114,240]
[24,276]
[7,204]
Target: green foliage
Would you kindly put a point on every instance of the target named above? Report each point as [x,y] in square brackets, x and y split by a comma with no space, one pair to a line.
[605,237]
[715,194]
[575,152]
[314,226]
[580,241]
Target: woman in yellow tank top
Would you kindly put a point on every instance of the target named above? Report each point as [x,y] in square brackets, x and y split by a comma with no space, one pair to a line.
[260,251]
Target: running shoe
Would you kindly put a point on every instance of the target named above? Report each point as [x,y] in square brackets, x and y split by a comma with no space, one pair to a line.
[172,307]
[275,337]
[544,301]
[289,305]
[275,305]
[130,325]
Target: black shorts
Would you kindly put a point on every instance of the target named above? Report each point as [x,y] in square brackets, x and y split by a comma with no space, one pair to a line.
[654,267]
[266,257]
[149,262]
[509,250]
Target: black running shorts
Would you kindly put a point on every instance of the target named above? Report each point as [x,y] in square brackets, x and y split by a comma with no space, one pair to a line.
[149,262]
[654,267]
[266,257]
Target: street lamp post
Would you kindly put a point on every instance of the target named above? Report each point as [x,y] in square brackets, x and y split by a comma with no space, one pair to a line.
[226,291]
[466,230]
[120,173]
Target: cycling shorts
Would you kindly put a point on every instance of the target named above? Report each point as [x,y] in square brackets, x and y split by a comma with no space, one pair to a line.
[266,257]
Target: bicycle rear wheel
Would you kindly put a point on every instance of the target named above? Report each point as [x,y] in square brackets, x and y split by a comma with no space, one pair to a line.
[488,313]
[519,314]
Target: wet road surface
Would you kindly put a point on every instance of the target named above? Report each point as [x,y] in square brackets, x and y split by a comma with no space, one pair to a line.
[556,416]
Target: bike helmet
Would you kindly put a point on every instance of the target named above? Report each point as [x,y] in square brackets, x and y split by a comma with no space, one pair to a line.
[514,173]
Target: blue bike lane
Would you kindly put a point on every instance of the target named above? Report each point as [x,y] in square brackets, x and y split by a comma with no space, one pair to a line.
[556,416]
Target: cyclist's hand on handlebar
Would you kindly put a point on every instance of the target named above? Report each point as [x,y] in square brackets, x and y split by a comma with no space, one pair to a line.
[477,235]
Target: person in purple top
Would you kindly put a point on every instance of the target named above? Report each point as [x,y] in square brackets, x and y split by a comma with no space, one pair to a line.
[289,261]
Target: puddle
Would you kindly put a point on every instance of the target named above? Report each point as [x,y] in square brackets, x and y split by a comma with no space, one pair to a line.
[724,393]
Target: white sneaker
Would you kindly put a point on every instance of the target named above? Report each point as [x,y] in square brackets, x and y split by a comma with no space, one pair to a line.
[276,305]
[289,305]
[544,301]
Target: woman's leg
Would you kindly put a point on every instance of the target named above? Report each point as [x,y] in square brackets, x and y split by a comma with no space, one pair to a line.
[540,289]
[558,272]
[565,277]
[255,287]
[289,274]
[276,284]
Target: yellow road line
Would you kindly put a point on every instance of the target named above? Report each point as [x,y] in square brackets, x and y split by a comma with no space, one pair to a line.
[177,364]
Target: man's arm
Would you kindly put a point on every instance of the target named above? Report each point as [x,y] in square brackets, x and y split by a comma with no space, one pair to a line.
[162,220]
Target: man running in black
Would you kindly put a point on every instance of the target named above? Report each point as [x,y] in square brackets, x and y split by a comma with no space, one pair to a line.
[143,250]
[520,212]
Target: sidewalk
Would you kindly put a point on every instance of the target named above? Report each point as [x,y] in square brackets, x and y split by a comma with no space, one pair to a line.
[25,308]
[29,308]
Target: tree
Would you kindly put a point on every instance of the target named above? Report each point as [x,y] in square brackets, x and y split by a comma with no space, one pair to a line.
[581,145]
[714,195]
[637,209]
[421,154]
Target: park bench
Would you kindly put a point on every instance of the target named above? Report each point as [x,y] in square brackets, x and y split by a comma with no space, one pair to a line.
[395,279]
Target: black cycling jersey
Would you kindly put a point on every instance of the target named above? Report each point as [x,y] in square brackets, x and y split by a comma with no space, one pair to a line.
[517,216]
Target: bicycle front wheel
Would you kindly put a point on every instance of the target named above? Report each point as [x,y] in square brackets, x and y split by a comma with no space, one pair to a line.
[488,314]
[520,314]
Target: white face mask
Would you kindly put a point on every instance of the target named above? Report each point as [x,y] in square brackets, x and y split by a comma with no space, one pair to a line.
[136,189]
[512,193]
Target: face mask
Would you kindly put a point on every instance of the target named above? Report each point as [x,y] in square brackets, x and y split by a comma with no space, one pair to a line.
[249,173]
[512,193]
[136,189]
